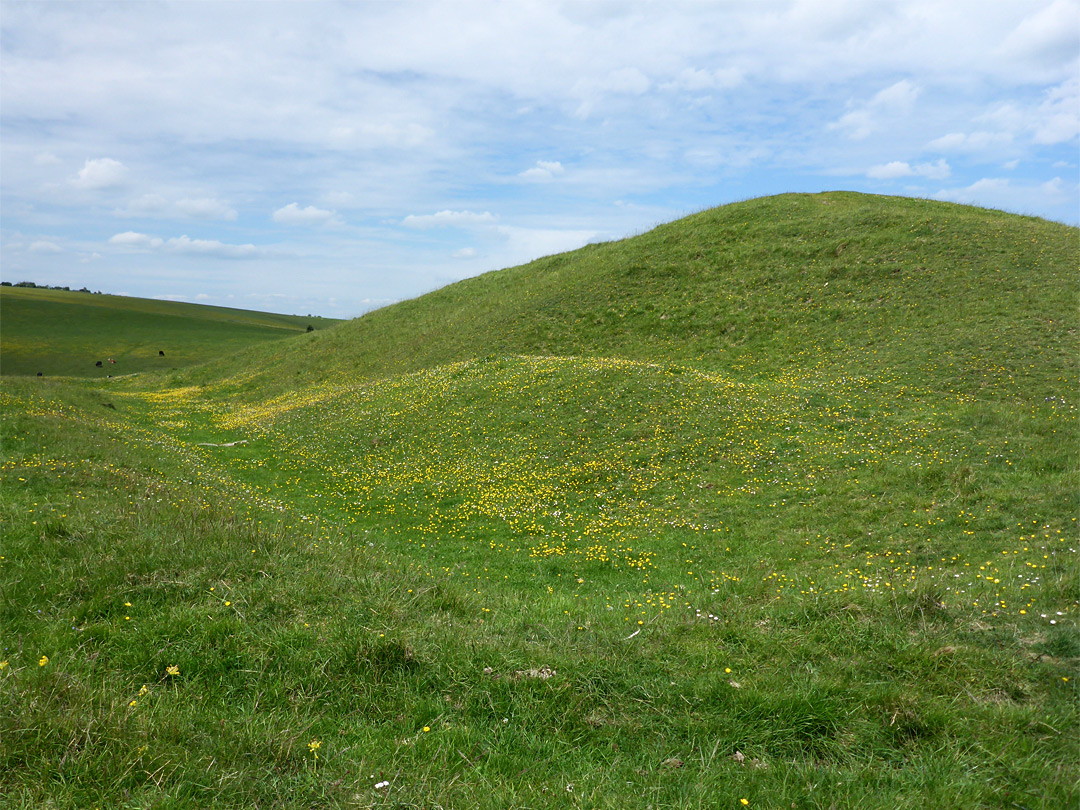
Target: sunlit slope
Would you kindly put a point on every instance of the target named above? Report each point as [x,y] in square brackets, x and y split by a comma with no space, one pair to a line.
[630,478]
[754,287]
[57,332]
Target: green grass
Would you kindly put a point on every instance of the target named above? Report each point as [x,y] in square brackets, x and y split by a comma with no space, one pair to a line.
[62,333]
[829,563]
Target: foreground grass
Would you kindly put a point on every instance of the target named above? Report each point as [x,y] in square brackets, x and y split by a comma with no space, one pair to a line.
[417,686]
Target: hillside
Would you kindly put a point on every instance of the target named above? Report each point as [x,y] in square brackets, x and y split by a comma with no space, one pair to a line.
[57,332]
[759,287]
[773,506]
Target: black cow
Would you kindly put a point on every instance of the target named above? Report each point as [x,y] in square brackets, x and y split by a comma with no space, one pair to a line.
[161,354]
[98,364]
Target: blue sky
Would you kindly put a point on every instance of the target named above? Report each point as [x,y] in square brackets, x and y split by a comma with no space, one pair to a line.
[330,158]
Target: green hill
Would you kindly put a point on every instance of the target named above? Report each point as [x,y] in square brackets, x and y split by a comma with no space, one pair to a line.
[773,506]
[759,286]
[62,333]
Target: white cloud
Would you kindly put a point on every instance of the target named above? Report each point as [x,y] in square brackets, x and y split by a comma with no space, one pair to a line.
[1054,187]
[897,97]
[525,244]
[1048,35]
[455,219]
[988,184]
[100,173]
[293,214]
[938,170]
[988,191]
[46,159]
[628,80]
[44,246]
[465,253]
[185,245]
[1019,196]
[205,208]
[896,100]
[135,240]
[145,205]
[699,79]
[367,134]
[543,171]
[210,247]
[625,81]
[1057,119]
[1054,120]
[155,205]
[340,199]
[1010,165]
[970,142]
[890,171]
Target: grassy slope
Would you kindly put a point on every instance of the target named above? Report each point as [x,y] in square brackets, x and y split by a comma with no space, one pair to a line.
[862,504]
[58,332]
[755,287]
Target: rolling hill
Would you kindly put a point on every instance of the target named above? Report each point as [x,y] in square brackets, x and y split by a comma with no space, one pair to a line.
[774,505]
[65,333]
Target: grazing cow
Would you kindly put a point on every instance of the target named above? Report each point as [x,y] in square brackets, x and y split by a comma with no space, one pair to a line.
[112,361]
[161,354]
[40,374]
[98,364]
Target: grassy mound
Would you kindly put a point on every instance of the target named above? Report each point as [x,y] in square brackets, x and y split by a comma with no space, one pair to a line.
[975,298]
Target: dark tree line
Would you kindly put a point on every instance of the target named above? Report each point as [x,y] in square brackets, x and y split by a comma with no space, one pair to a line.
[46,287]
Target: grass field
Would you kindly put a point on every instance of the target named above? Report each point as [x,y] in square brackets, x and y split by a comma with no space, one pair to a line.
[774,507]
[62,333]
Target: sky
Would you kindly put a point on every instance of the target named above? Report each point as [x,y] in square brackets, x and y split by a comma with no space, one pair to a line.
[331,158]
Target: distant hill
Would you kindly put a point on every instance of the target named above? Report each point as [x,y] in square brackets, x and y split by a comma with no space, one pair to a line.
[61,333]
